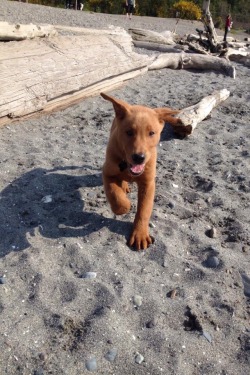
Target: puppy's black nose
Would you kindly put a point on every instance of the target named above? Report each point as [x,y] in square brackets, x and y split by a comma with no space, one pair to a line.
[138,158]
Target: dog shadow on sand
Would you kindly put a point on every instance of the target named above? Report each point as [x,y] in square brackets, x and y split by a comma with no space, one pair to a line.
[51,201]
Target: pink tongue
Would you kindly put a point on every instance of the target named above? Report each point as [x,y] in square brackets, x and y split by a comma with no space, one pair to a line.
[137,168]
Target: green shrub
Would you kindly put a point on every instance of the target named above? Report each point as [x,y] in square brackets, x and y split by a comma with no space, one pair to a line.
[187,10]
[218,23]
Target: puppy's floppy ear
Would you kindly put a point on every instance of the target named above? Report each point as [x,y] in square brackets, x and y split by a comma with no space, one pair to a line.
[121,108]
[166,115]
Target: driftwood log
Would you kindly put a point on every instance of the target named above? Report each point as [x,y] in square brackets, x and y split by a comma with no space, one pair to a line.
[193,61]
[48,73]
[240,58]
[189,117]
[21,32]
[152,36]
[160,47]
[51,73]
[235,44]
[192,43]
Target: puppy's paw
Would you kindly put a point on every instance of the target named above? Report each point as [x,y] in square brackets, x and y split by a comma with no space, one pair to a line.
[125,187]
[140,240]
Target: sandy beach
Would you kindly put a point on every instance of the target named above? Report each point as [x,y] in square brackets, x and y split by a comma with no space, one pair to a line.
[74,299]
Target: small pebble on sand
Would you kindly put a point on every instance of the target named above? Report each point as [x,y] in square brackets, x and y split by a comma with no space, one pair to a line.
[139,358]
[151,323]
[211,262]
[2,280]
[137,300]
[246,284]
[207,336]
[91,364]
[47,199]
[89,275]
[111,355]
[212,232]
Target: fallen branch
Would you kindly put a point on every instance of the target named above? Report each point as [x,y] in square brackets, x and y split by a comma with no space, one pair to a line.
[193,61]
[189,117]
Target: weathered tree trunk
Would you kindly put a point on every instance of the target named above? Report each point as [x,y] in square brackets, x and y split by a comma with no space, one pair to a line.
[209,25]
[193,61]
[189,117]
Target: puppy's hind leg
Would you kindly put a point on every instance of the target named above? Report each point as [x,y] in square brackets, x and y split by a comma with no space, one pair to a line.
[116,194]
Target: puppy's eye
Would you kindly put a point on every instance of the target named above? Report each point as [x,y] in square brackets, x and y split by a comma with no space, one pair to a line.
[151,133]
[130,133]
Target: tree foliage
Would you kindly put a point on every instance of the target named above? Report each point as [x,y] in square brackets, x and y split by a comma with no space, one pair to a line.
[187,10]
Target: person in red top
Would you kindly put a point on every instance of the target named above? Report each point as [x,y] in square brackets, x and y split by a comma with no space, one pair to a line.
[228,26]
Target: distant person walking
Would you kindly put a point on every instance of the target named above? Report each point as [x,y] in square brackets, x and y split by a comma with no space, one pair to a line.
[130,6]
[228,26]
[68,4]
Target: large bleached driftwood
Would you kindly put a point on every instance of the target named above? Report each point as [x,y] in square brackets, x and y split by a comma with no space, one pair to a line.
[51,73]
[193,61]
[20,32]
[189,117]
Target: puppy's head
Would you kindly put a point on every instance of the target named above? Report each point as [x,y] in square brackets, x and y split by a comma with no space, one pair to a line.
[138,130]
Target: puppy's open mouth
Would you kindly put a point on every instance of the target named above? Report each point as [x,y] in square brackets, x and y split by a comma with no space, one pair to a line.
[136,169]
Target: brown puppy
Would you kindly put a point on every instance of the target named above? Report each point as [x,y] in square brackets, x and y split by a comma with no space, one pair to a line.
[131,157]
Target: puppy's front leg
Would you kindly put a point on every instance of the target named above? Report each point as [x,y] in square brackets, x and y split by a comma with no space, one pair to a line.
[140,237]
[116,192]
